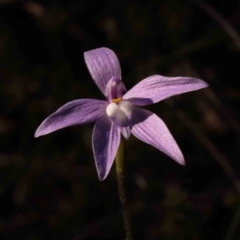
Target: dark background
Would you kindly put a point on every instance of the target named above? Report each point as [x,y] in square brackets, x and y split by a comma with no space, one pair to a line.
[49,187]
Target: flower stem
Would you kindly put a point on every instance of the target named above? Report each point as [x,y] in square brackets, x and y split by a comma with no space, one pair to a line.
[234,225]
[122,193]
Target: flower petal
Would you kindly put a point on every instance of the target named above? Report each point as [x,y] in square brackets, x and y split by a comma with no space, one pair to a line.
[150,129]
[156,88]
[102,64]
[105,141]
[126,132]
[73,113]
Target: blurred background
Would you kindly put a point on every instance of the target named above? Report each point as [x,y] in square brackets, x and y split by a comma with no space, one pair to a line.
[49,187]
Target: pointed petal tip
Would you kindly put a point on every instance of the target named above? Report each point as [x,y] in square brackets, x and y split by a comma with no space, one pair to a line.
[38,134]
[101,177]
[204,84]
[102,174]
[182,162]
[127,137]
[178,157]
[41,131]
[152,130]
[126,132]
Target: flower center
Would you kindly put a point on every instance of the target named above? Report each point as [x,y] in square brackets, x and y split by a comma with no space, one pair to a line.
[116,100]
[120,112]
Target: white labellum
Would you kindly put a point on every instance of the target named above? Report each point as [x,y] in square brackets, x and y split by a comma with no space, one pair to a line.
[120,113]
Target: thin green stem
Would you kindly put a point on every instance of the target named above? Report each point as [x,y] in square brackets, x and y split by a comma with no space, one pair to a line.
[122,193]
[234,225]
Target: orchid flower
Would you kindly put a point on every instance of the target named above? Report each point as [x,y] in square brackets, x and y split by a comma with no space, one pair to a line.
[120,112]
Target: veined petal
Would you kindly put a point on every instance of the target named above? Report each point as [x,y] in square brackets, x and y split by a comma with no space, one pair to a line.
[102,64]
[73,113]
[105,141]
[156,88]
[150,129]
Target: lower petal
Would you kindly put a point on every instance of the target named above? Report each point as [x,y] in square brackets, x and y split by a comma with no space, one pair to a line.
[105,141]
[150,129]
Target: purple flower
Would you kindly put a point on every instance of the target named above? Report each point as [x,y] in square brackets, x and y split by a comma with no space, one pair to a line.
[120,112]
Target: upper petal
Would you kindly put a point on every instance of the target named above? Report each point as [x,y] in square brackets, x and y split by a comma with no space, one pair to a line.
[150,129]
[105,141]
[73,113]
[156,88]
[102,64]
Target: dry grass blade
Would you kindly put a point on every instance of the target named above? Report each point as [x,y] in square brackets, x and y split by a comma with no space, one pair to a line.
[202,138]
[228,29]
[231,119]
